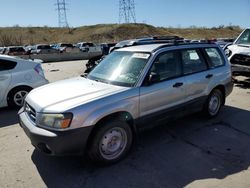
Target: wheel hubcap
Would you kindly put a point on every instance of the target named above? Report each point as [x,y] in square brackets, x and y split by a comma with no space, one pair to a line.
[113,143]
[19,97]
[214,104]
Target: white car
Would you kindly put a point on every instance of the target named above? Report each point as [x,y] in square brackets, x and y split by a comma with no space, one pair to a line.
[43,49]
[88,47]
[17,78]
[239,54]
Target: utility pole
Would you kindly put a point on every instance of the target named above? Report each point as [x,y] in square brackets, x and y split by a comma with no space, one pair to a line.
[62,15]
[127,11]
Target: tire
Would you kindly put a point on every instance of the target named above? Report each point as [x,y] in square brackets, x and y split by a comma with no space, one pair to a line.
[17,96]
[214,103]
[110,143]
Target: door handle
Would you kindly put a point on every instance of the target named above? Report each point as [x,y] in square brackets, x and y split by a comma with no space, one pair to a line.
[209,76]
[178,84]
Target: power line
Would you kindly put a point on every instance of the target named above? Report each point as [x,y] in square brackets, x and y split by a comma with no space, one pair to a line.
[127,11]
[62,15]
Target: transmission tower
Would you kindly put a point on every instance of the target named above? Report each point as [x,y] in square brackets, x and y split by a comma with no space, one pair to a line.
[62,16]
[127,11]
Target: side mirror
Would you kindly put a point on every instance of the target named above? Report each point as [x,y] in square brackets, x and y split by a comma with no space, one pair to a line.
[153,78]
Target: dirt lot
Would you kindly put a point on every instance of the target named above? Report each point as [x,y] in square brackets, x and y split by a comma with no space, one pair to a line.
[190,152]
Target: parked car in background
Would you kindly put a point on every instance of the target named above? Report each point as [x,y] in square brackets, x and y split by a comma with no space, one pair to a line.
[17,78]
[222,42]
[15,50]
[66,47]
[106,47]
[88,47]
[198,41]
[2,50]
[239,54]
[132,89]
[43,49]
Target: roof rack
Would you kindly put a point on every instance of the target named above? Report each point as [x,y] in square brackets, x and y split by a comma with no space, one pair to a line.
[175,43]
[167,40]
[149,40]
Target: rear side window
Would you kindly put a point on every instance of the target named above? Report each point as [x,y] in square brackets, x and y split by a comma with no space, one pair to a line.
[192,61]
[90,44]
[215,57]
[7,65]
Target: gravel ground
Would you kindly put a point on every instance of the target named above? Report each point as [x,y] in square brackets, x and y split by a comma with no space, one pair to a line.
[190,152]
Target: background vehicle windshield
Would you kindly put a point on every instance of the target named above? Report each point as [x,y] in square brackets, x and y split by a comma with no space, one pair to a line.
[120,68]
[244,37]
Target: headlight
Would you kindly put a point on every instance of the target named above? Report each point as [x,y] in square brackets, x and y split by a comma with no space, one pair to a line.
[228,52]
[57,121]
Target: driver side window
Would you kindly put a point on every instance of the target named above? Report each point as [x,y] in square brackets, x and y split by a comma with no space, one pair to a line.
[166,66]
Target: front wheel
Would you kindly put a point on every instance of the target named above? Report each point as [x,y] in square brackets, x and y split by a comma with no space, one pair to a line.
[111,142]
[214,103]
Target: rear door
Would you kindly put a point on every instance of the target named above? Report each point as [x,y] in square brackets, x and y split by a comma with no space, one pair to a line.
[219,69]
[5,76]
[197,74]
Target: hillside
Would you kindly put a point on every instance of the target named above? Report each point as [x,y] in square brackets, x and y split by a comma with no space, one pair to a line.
[104,33]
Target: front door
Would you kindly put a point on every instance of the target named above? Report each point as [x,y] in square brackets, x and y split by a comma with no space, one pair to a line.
[168,91]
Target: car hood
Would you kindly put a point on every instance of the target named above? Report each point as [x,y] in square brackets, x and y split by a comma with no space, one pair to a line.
[64,95]
[240,49]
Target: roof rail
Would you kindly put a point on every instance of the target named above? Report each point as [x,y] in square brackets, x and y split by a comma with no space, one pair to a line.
[150,40]
[174,37]
[176,43]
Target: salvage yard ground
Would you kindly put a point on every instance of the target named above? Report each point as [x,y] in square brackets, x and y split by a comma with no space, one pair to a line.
[190,152]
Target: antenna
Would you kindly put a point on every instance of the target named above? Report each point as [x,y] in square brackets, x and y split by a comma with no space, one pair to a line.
[62,16]
[127,11]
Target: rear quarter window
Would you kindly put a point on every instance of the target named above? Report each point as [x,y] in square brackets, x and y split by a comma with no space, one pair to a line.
[7,65]
[215,57]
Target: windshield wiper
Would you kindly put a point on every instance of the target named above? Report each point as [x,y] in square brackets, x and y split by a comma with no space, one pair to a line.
[101,80]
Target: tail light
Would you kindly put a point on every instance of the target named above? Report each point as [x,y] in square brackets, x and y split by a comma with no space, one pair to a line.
[39,70]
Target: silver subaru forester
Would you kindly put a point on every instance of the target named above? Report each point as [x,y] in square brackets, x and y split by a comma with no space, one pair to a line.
[132,88]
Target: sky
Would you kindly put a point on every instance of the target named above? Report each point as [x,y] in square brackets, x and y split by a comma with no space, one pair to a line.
[165,13]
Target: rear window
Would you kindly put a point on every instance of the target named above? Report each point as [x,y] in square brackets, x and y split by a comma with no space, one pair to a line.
[215,57]
[44,47]
[192,61]
[7,65]
[67,45]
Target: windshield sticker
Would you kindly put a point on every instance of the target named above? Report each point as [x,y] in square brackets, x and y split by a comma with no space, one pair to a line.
[140,55]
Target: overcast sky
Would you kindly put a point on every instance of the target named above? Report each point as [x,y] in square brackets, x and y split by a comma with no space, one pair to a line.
[174,13]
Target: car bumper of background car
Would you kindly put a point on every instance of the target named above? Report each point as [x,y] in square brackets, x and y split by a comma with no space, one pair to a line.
[240,69]
[68,142]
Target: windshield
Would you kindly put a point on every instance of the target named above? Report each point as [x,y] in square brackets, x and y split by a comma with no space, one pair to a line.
[244,37]
[120,68]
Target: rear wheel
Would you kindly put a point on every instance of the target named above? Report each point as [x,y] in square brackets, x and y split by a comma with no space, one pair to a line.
[111,142]
[214,103]
[17,96]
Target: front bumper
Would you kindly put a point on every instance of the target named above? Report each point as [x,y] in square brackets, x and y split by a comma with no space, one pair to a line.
[68,142]
[240,69]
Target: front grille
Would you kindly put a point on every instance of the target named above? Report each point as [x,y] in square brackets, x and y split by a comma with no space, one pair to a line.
[240,59]
[30,111]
